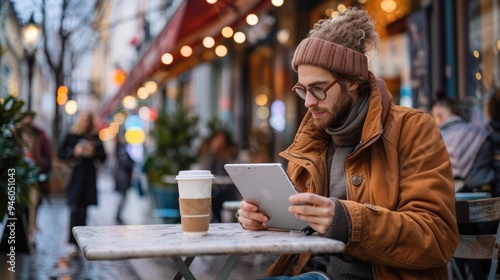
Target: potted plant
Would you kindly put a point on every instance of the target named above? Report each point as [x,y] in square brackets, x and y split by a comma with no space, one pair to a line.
[174,134]
[18,174]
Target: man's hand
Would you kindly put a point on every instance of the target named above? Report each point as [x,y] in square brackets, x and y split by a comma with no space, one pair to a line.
[250,217]
[317,210]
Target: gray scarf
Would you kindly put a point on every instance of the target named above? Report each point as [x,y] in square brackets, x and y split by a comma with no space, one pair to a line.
[344,141]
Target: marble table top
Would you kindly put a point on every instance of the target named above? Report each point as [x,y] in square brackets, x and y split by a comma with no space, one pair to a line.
[167,240]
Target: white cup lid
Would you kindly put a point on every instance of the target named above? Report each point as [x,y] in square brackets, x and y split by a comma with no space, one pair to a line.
[194,174]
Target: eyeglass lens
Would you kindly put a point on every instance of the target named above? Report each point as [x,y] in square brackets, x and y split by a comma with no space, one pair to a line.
[316,92]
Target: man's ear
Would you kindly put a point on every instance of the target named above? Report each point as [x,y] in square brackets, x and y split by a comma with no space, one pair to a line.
[352,86]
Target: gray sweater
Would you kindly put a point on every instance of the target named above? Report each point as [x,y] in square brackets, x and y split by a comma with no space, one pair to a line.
[470,152]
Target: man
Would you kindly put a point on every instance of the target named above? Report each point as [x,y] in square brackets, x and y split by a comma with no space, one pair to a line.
[469,147]
[372,174]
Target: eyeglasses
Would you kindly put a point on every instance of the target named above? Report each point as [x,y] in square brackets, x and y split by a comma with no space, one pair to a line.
[317,92]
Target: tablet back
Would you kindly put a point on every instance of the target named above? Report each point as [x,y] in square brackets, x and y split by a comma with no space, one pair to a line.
[267,185]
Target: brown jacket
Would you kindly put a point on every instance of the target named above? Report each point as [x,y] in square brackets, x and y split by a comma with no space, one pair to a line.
[400,191]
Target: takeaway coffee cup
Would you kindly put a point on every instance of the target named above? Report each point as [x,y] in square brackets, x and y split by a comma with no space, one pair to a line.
[195,200]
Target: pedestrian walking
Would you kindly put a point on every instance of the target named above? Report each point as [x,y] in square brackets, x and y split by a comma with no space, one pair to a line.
[123,170]
[84,152]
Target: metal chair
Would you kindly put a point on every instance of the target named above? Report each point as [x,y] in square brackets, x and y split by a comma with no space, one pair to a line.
[478,246]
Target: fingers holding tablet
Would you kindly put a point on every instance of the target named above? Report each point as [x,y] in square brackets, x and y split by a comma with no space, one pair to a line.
[249,216]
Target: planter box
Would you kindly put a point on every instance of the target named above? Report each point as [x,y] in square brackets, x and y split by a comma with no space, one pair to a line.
[165,203]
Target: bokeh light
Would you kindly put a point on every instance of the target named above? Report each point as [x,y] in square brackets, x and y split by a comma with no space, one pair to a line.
[227,32]
[135,135]
[186,51]
[71,107]
[129,102]
[262,113]
[221,51]
[252,19]
[239,37]
[208,42]
[167,58]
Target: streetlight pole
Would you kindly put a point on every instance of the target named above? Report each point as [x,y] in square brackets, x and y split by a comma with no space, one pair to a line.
[31,62]
[31,34]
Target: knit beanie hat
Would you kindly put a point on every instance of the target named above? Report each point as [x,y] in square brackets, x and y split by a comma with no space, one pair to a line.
[331,56]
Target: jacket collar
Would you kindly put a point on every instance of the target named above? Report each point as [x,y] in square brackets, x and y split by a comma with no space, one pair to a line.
[380,102]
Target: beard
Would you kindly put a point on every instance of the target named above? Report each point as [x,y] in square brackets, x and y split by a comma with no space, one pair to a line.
[336,114]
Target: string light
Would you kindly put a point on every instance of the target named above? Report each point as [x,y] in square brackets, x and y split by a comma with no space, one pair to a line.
[142,93]
[129,102]
[277,3]
[167,59]
[186,51]
[252,19]
[239,37]
[227,32]
[208,42]
[151,86]
[221,51]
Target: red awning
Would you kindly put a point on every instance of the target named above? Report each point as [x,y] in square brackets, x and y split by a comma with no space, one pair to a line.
[194,19]
[150,61]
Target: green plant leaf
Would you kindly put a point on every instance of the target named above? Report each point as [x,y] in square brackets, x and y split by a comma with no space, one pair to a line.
[174,134]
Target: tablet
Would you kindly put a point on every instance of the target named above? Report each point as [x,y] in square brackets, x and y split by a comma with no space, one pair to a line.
[268,186]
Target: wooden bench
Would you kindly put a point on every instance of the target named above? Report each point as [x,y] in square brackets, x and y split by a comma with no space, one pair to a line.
[480,246]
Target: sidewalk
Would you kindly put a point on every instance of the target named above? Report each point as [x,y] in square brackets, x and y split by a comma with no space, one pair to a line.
[48,262]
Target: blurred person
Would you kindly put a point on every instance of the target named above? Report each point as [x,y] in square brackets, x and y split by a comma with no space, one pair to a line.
[372,174]
[215,151]
[470,151]
[38,149]
[83,151]
[469,146]
[122,173]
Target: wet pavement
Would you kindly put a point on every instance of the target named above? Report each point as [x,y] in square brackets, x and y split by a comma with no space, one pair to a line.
[49,260]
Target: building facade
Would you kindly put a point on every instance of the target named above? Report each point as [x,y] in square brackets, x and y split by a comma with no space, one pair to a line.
[425,46]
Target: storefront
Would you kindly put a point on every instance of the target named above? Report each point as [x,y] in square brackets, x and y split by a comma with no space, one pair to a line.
[478,36]
[425,45]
